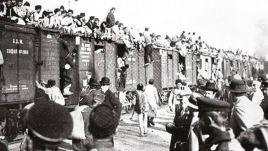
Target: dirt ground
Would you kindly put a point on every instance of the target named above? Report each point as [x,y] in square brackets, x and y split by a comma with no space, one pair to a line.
[127,136]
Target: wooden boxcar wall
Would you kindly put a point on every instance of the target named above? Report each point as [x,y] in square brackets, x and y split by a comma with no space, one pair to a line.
[133,73]
[191,65]
[48,52]
[17,77]
[164,69]
[102,61]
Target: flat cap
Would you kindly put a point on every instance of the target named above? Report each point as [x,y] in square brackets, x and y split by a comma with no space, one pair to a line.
[206,105]
[49,121]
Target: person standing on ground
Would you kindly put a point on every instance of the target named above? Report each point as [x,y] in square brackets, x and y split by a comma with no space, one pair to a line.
[245,113]
[179,93]
[257,96]
[152,97]
[212,119]
[141,108]
[110,98]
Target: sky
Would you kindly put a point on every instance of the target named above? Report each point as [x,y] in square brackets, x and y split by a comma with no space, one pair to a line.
[224,24]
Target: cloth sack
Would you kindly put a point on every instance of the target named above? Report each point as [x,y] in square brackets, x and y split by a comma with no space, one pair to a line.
[78,125]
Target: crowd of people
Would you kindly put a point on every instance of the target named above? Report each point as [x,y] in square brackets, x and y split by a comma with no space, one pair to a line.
[208,118]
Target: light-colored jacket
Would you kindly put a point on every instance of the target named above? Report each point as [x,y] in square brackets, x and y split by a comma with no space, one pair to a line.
[245,114]
[257,97]
[151,95]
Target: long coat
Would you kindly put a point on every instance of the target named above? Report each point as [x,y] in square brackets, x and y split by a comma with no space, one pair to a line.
[110,20]
[112,101]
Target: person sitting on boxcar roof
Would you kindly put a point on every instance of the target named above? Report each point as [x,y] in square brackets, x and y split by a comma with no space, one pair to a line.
[52,91]
[55,19]
[2,9]
[90,22]
[37,14]
[20,11]
[3,116]
[68,22]
[49,124]
[11,15]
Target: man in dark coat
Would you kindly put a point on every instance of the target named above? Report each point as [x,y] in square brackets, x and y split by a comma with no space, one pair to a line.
[212,120]
[110,98]
[110,20]
[93,96]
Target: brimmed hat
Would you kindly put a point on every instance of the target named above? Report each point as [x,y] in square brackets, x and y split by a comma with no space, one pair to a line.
[210,86]
[93,82]
[206,105]
[105,81]
[103,121]
[49,121]
[238,86]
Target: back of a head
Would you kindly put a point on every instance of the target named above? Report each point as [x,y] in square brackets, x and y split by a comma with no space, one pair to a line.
[103,121]
[151,81]
[51,83]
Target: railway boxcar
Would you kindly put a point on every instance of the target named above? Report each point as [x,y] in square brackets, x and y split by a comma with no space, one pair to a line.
[17,74]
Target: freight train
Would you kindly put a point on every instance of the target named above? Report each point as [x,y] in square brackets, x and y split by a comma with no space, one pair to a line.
[34,54]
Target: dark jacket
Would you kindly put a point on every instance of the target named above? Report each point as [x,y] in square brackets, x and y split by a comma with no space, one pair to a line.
[91,97]
[110,20]
[113,102]
[223,141]
[10,12]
